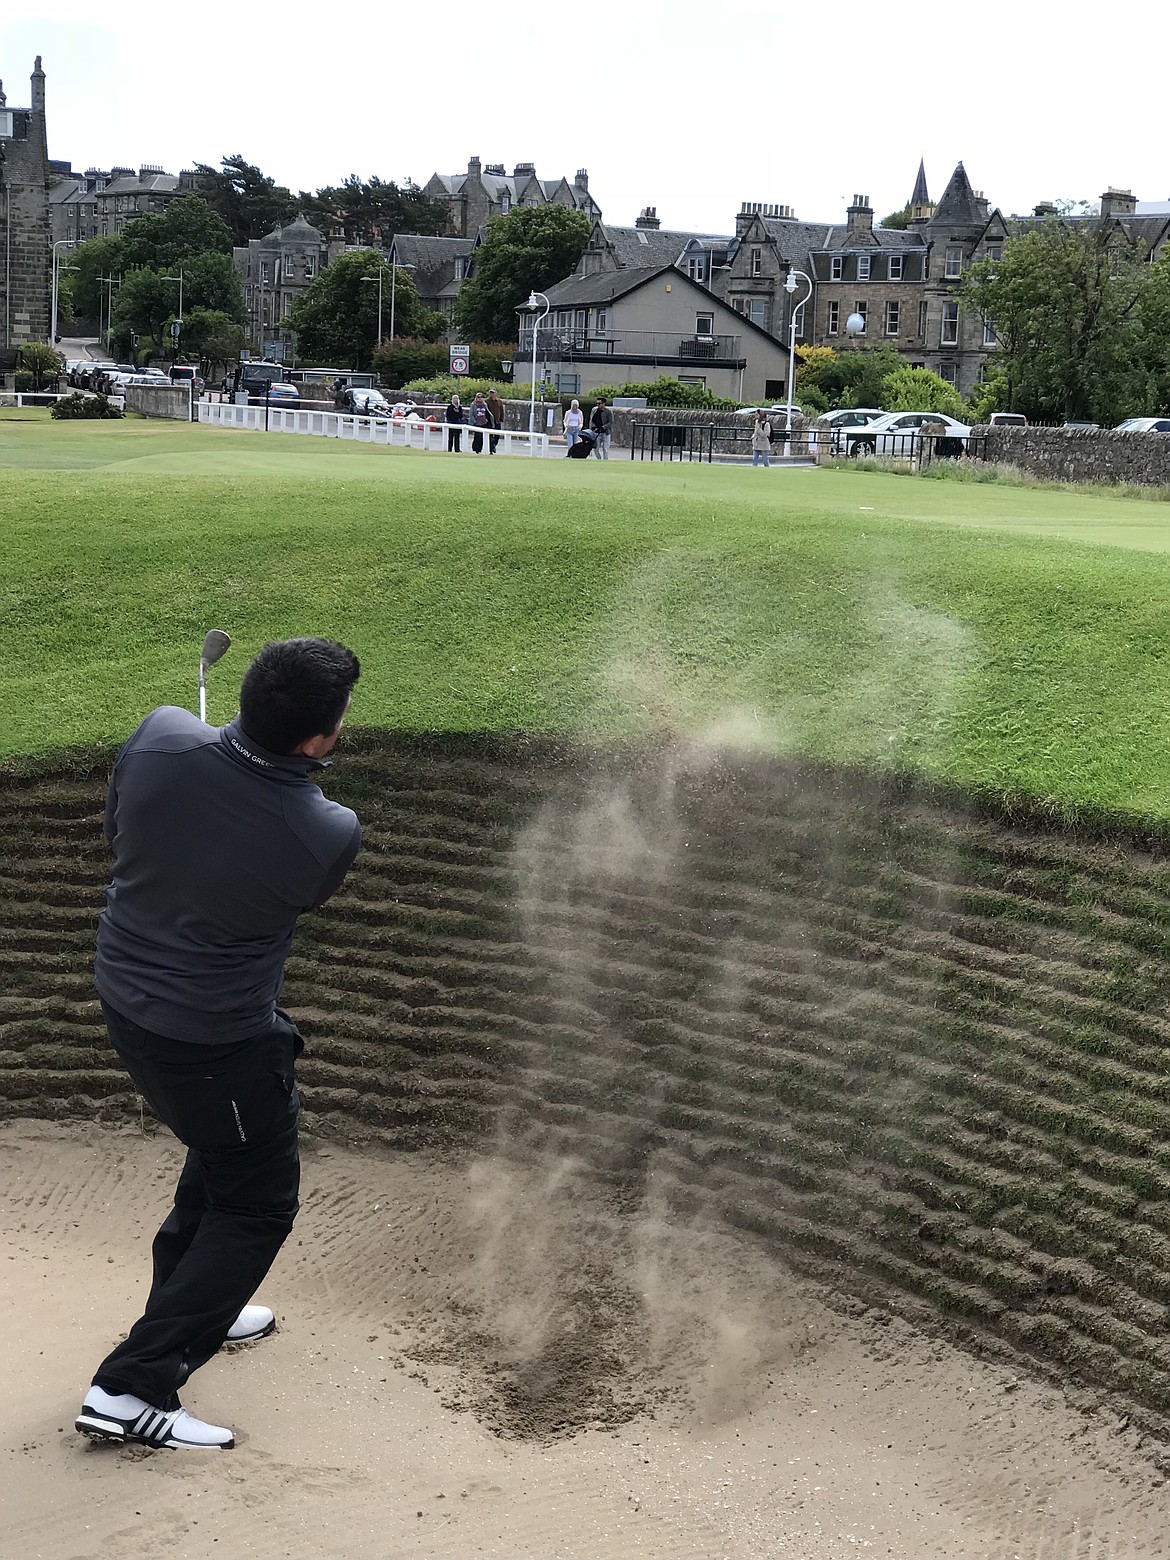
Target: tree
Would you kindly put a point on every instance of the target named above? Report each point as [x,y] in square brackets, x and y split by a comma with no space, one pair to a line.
[148,300]
[336,318]
[531,247]
[40,360]
[1066,302]
[371,211]
[897,219]
[920,390]
[161,240]
[213,337]
[845,378]
[250,203]
[96,258]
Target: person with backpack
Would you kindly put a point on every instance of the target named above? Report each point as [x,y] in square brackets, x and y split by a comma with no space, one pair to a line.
[761,438]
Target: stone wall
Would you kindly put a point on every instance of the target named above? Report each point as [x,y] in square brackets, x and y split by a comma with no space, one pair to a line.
[24,228]
[173,401]
[1083,455]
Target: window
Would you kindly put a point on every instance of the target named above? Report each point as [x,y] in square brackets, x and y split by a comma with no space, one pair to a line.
[922,319]
[693,379]
[757,262]
[756,310]
[949,336]
[862,308]
[696,269]
[833,324]
[995,251]
[601,319]
[264,270]
[460,267]
[954,263]
[863,265]
[895,268]
[950,373]
[990,339]
[704,324]
[310,268]
[579,320]
[562,318]
[836,268]
[893,315]
[798,320]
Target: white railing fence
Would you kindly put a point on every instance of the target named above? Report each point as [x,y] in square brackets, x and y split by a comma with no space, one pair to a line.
[406,432]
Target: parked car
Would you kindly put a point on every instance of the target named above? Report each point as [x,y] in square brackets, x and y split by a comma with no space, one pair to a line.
[279,391]
[833,423]
[1144,425]
[1007,420]
[894,434]
[187,374]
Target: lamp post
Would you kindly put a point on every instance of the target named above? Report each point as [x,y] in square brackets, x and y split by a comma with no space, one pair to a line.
[395,267]
[377,279]
[174,333]
[536,319]
[794,310]
[61,243]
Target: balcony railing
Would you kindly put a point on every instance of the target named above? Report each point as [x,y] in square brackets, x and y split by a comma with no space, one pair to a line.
[566,345]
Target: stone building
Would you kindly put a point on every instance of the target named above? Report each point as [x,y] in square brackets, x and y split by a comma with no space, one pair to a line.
[102,201]
[438,267]
[274,271]
[474,197]
[25,264]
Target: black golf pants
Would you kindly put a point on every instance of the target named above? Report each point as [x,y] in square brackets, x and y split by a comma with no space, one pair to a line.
[235,1107]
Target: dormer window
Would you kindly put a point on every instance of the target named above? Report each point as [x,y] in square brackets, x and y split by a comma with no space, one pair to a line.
[756,257]
[863,263]
[895,268]
[836,268]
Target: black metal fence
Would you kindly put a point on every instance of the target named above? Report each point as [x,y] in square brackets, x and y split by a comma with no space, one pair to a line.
[672,441]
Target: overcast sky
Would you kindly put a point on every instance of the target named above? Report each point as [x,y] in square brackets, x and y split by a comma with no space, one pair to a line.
[685,105]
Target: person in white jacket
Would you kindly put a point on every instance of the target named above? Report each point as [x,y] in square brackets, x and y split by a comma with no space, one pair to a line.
[574,421]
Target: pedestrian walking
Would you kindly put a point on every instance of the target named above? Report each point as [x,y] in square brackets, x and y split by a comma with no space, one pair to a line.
[220,839]
[761,438]
[573,422]
[496,407]
[481,418]
[601,423]
[456,417]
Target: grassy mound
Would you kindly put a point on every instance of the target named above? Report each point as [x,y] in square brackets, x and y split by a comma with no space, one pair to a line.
[1006,639]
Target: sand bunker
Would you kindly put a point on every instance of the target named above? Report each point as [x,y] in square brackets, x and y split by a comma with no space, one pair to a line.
[475,1359]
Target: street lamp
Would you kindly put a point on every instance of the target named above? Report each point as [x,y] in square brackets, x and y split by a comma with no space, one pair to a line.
[536,319]
[377,279]
[794,309]
[66,243]
[174,333]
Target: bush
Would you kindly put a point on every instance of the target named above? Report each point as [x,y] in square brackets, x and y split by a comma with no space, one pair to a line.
[666,392]
[921,390]
[22,381]
[72,407]
[447,385]
[410,358]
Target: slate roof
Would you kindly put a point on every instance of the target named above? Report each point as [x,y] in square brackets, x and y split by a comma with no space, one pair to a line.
[958,206]
[920,197]
[636,247]
[135,184]
[428,253]
[601,286]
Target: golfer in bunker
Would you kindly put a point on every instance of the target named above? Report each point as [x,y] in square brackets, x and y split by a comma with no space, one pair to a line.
[221,839]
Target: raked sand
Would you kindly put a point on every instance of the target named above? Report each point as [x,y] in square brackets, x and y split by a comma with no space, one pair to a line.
[475,1361]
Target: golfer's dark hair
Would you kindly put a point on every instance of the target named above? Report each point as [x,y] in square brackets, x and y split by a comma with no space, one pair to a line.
[296,689]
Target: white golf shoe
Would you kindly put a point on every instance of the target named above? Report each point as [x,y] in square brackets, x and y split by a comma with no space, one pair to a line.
[110,1416]
[254,1321]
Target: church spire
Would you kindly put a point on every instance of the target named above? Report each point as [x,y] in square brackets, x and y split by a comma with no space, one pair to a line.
[920,196]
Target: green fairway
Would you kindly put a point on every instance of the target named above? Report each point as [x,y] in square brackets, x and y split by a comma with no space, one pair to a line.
[1006,637]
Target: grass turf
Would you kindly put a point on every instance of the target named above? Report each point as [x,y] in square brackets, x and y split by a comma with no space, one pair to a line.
[1008,638]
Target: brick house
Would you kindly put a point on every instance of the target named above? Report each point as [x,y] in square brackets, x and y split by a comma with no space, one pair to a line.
[25,234]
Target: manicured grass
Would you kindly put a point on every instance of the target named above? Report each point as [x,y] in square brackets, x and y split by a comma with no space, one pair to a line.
[1010,638]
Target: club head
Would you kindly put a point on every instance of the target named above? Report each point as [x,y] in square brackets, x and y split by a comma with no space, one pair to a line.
[215,644]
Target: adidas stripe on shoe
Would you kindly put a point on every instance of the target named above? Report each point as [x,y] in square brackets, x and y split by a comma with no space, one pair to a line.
[110,1416]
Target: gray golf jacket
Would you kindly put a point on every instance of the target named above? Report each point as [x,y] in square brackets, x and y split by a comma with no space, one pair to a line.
[218,848]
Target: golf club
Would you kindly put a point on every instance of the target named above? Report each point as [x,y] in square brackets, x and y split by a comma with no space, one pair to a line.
[215,643]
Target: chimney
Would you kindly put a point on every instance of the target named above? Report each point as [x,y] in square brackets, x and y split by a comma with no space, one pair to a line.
[648,217]
[524,170]
[744,217]
[474,167]
[1044,208]
[1118,203]
[860,225]
[981,205]
[38,87]
[3,99]
[583,178]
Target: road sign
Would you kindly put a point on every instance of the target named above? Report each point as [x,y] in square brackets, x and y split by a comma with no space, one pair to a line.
[176,329]
[460,360]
